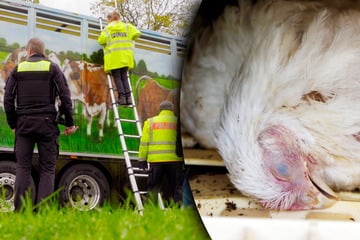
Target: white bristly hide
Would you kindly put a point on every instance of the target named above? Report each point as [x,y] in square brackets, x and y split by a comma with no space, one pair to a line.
[275,87]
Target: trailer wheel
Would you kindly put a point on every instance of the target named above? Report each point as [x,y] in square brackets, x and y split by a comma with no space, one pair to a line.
[84,187]
[7,186]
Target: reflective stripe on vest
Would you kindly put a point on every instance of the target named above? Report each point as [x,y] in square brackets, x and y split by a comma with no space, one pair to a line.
[161,126]
[163,149]
[126,43]
[116,49]
[40,66]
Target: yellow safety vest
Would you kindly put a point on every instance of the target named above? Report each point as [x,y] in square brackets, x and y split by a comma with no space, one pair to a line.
[38,66]
[117,38]
[34,88]
[158,140]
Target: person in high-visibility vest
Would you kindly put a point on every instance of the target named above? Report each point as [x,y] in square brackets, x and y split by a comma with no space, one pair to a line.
[117,39]
[30,108]
[158,149]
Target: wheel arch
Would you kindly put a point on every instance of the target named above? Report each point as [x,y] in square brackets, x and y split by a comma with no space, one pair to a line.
[10,156]
[72,163]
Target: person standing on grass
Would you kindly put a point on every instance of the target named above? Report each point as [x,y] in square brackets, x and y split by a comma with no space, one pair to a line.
[117,39]
[158,149]
[29,103]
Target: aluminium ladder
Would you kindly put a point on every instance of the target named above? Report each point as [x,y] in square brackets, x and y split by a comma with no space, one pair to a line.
[130,169]
[123,136]
[133,172]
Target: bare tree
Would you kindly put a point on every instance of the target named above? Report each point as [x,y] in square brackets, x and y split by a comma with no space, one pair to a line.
[168,16]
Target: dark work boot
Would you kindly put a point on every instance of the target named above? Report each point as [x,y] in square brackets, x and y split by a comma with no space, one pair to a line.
[128,100]
[121,100]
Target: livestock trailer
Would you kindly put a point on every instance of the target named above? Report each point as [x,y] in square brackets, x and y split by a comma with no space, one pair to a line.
[90,166]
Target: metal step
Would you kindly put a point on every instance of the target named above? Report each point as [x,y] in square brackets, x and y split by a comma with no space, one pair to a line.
[132,136]
[144,175]
[128,120]
[133,152]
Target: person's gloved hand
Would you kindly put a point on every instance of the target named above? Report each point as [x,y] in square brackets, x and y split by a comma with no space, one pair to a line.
[142,164]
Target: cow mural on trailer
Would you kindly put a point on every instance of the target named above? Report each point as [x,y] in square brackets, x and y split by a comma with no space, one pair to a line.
[151,95]
[87,83]
[9,63]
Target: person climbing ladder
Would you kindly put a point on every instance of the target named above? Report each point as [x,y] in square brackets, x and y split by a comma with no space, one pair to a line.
[117,39]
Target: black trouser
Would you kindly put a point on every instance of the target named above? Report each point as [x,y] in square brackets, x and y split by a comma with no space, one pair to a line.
[173,173]
[43,131]
[121,80]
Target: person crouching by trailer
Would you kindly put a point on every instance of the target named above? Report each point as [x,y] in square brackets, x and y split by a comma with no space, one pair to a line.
[29,103]
[158,149]
[117,39]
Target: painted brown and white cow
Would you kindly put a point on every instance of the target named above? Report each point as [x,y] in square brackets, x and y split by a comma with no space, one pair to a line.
[88,84]
[8,65]
[151,95]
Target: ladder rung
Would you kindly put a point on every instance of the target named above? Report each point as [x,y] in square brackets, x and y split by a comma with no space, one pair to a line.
[141,175]
[131,136]
[127,106]
[127,120]
[133,152]
[139,169]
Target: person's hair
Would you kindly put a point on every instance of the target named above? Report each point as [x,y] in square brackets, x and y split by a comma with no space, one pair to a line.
[166,105]
[36,46]
[113,16]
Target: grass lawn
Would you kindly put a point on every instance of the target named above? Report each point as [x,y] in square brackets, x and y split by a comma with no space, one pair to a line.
[105,223]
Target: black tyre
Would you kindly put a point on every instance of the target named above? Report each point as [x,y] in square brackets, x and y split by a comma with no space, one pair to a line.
[83,187]
[7,186]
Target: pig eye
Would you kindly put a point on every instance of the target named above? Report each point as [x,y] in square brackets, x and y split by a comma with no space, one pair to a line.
[280,172]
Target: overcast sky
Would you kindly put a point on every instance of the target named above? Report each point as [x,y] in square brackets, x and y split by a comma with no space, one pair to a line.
[75,6]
